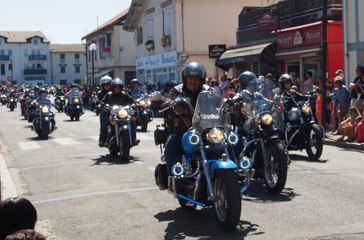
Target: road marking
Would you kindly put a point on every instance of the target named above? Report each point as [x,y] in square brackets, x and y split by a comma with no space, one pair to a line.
[92,194]
[8,189]
[28,145]
[66,141]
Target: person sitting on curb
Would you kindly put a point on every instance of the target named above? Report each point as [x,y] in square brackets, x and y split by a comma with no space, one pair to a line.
[347,127]
[359,130]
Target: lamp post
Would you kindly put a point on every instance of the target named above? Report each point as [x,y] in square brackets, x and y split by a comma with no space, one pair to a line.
[51,58]
[92,48]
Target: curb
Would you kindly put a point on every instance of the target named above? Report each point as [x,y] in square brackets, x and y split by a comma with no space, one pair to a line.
[345,145]
[7,185]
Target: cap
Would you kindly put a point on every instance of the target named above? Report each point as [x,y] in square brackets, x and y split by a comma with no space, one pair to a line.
[338,71]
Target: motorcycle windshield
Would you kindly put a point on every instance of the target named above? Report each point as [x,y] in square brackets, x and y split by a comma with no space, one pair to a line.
[252,109]
[207,113]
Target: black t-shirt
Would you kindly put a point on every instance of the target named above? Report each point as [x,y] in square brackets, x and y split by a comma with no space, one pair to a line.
[354,92]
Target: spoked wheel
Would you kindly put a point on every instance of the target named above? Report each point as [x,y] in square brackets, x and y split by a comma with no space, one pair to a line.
[227,204]
[276,172]
[315,142]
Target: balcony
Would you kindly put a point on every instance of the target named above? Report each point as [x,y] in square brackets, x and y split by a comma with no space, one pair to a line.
[35,71]
[37,57]
[4,57]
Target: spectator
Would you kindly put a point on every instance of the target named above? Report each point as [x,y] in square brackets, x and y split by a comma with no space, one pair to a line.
[26,234]
[357,97]
[347,127]
[340,73]
[306,86]
[215,85]
[16,214]
[224,85]
[341,104]
[359,130]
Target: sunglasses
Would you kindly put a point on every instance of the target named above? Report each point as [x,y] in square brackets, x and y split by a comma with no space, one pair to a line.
[288,82]
[117,86]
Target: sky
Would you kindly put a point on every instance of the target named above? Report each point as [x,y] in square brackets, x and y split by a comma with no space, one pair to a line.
[61,21]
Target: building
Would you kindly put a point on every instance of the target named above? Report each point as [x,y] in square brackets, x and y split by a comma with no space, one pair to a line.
[24,57]
[353,20]
[110,51]
[171,33]
[67,64]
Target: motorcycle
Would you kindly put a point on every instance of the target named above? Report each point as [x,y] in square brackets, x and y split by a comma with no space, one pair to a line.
[206,175]
[301,130]
[259,141]
[119,136]
[75,109]
[59,103]
[3,99]
[96,103]
[12,103]
[44,122]
[143,113]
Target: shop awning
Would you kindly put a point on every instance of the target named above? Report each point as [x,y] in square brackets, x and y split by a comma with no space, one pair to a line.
[296,53]
[249,53]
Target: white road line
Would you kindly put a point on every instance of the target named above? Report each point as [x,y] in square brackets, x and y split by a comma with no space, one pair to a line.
[8,189]
[28,145]
[66,141]
[92,194]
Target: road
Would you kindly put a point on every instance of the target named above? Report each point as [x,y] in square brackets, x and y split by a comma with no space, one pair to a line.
[81,193]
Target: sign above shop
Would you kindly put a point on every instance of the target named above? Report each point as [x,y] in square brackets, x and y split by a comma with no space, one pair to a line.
[267,22]
[166,59]
[216,50]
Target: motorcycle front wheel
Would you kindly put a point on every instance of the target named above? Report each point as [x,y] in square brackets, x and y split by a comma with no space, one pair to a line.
[124,147]
[276,171]
[227,203]
[315,142]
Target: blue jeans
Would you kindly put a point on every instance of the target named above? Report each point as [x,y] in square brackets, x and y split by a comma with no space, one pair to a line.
[173,151]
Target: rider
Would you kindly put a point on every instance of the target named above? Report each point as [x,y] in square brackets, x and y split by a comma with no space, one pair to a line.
[44,100]
[59,92]
[74,92]
[193,79]
[115,97]
[135,90]
[105,84]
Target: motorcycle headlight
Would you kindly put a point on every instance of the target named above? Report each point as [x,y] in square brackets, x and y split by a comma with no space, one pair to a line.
[233,138]
[266,119]
[76,100]
[123,113]
[142,102]
[215,136]
[45,109]
[293,114]
[306,108]
[12,100]
[62,98]
[149,102]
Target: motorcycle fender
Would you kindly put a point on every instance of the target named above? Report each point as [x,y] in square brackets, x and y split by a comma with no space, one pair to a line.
[220,164]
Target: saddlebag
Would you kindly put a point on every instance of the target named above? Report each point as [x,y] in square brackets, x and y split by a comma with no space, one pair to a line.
[160,136]
[161,176]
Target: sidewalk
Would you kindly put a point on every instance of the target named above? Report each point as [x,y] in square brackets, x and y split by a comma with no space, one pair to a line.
[331,140]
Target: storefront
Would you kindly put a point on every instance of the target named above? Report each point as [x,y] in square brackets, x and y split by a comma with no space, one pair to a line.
[299,49]
[158,68]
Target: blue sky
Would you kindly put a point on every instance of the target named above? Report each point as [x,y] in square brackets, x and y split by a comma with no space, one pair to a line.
[62,21]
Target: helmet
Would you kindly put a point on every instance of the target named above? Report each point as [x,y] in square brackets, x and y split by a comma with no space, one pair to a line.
[73,85]
[247,78]
[134,81]
[36,89]
[194,69]
[105,79]
[117,81]
[284,78]
[42,90]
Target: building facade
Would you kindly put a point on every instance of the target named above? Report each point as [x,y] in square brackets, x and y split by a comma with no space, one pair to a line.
[171,33]
[24,57]
[67,64]
[110,51]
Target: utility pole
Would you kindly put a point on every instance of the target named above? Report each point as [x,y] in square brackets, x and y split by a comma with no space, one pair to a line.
[324,62]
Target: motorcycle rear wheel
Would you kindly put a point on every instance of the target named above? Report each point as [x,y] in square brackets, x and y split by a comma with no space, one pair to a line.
[275,175]
[227,203]
[315,145]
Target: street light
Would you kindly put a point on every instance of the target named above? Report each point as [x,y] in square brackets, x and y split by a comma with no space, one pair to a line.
[92,48]
[51,56]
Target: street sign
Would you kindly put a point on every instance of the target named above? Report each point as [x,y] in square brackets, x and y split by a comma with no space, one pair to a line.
[9,78]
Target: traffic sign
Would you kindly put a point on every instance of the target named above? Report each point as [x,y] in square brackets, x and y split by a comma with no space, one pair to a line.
[9,78]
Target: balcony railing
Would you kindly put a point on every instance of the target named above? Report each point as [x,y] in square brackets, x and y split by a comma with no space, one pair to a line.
[4,57]
[37,57]
[35,71]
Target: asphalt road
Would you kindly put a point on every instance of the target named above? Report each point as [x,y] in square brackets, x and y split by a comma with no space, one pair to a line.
[81,193]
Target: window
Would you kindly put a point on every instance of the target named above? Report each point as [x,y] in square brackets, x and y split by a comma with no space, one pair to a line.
[25,52]
[150,29]
[77,69]
[2,52]
[167,22]
[63,82]
[77,56]
[139,35]
[35,41]
[63,69]
[1,41]
[10,52]
[2,69]
[62,58]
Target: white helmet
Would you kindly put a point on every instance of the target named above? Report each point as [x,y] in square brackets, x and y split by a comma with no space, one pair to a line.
[105,79]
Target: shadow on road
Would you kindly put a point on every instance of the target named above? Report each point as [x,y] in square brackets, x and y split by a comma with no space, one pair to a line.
[297,157]
[113,160]
[201,224]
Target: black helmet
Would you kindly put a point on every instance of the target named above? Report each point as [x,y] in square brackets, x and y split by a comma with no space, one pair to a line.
[117,81]
[194,69]
[284,78]
[105,80]
[247,78]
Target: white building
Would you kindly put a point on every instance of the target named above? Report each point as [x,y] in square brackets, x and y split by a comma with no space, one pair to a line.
[68,64]
[24,57]
[113,51]
[171,33]
[353,20]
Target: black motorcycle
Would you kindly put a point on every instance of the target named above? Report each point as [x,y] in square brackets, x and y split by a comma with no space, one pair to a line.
[143,113]
[75,108]
[96,105]
[119,135]
[59,103]
[259,141]
[12,103]
[3,99]
[44,121]
[301,132]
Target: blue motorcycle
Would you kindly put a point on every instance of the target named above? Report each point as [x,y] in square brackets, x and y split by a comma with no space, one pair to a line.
[206,175]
